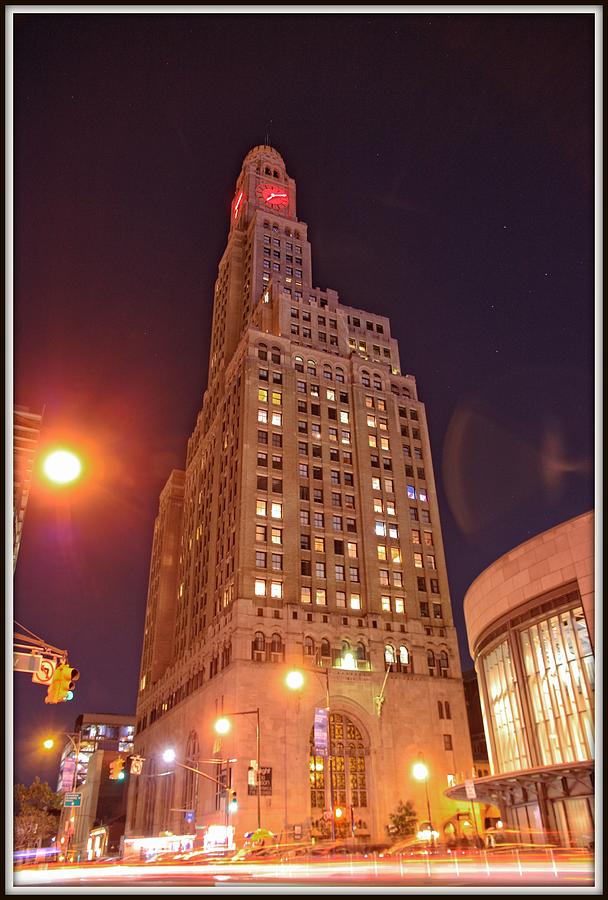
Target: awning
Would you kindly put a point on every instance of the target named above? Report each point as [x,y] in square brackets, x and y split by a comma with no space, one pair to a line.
[493,787]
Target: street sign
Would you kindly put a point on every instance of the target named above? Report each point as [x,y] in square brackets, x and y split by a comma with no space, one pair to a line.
[45,673]
[26,662]
[265,783]
[72,798]
[470,790]
[137,763]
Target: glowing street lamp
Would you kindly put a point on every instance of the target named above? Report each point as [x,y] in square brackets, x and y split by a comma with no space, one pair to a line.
[169,755]
[223,726]
[294,680]
[48,744]
[420,772]
[62,466]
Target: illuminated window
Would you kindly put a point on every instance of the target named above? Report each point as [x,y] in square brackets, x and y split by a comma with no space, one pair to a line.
[321,597]
[276,535]
[263,394]
[430,562]
[346,437]
[386,603]
[395,555]
[428,538]
[260,560]
[418,560]
[355,601]
[378,505]
[383,424]
[380,528]
[261,508]
[399,605]
[382,551]
[263,415]
[276,589]
[344,418]
[260,587]
[376,486]
[320,544]
[372,440]
[276,510]
[411,492]
[389,486]
[398,579]
[331,394]
[371,421]
[260,532]
[390,508]
[341,599]
[383,575]
[351,549]
[389,655]
[339,572]
[305,595]
[277,398]
[277,418]
[384,443]
[422,494]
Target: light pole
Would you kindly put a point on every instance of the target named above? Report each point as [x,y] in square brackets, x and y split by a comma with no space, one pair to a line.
[48,744]
[295,681]
[169,756]
[223,726]
[421,773]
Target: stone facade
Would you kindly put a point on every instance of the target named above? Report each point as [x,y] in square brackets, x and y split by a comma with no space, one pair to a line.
[307,536]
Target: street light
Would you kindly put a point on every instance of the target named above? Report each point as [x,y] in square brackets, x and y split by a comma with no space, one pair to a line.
[223,726]
[62,466]
[295,681]
[48,744]
[420,772]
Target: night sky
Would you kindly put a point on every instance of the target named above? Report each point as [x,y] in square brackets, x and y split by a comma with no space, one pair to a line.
[444,165]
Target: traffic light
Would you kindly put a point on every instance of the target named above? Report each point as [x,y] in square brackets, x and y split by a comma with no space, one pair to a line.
[62,684]
[232,802]
[117,769]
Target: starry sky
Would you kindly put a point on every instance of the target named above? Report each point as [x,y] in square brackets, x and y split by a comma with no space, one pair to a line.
[444,165]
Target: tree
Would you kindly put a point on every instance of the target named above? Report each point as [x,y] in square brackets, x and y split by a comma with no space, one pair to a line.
[403,820]
[36,814]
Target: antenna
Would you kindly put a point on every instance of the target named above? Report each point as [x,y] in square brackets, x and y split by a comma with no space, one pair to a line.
[268,134]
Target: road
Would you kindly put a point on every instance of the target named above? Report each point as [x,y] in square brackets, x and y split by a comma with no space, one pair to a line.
[551,871]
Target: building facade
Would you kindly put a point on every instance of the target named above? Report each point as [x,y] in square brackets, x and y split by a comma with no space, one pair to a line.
[92,732]
[26,436]
[530,624]
[304,533]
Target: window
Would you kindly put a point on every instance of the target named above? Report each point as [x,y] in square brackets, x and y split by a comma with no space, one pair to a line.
[277,398]
[437,614]
[316,451]
[319,544]
[317,495]
[422,494]
[276,562]
[320,569]
[398,578]
[393,530]
[386,604]
[315,430]
[383,425]
[276,535]
[277,440]
[396,555]
[411,492]
[261,507]
[380,528]
[341,599]
[447,742]
[353,573]
[340,573]
[384,444]
[440,709]
[351,526]
[389,486]
[421,584]
[260,533]
[430,564]
[434,586]
[260,587]
[424,610]
[277,462]
[303,470]
[425,516]
[302,448]
[321,597]
[399,605]
[355,601]
[276,510]
[372,440]
[376,484]
[319,520]
[277,418]
[382,554]
[262,483]
[337,523]
[448,713]
[302,427]
[413,514]
[262,437]
[383,575]
[305,595]
[305,567]
[430,662]
[334,476]
[336,499]
[304,542]
[262,459]
[263,416]
[418,560]
[428,538]
[389,655]
[304,517]
[260,560]
[351,549]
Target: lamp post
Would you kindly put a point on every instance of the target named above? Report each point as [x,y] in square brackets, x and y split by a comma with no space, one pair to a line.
[421,773]
[48,744]
[223,726]
[169,756]
[295,681]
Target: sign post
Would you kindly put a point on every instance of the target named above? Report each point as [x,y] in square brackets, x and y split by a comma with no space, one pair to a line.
[72,798]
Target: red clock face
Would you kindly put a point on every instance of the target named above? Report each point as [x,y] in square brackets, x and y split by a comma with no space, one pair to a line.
[274,195]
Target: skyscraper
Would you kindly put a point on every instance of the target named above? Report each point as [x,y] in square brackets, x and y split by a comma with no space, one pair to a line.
[303,534]
[26,434]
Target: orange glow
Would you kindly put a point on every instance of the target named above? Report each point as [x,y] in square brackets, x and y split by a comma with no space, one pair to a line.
[62,466]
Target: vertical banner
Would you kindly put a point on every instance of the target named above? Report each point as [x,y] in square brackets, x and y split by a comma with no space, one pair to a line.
[67,774]
[321,739]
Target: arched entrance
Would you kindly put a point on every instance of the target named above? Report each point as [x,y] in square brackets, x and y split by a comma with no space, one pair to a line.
[347,790]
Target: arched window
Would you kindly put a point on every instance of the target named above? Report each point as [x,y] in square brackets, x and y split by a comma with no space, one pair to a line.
[191,779]
[299,364]
[404,655]
[430,661]
[389,654]
[311,367]
[325,648]
[263,351]
[347,765]
[444,663]
[361,651]
[327,373]
[276,643]
[377,382]
[259,641]
[345,647]
[309,646]
[440,709]
[266,171]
